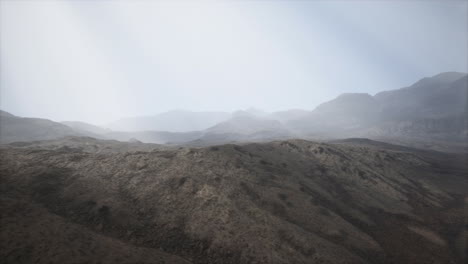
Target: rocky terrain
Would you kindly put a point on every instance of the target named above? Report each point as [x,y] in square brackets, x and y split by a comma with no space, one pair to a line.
[82,200]
[239,188]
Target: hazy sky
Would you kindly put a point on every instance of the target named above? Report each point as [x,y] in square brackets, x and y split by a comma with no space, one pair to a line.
[97,61]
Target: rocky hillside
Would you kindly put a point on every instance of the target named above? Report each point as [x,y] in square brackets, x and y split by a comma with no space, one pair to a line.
[295,201]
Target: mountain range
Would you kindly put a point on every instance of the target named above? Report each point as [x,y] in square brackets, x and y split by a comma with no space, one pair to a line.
[431,113]
[245,187]
[172,121]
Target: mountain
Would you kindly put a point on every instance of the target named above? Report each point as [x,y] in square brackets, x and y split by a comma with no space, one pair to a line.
[254,112]
[246,124]
[288,115]
[158,137]
[5,114]
[251,125]
[14,128]
[243,127]
[172,121]
[432,113]
[294,201]
[346,112]
[66,196]
[87,128]
[439,96]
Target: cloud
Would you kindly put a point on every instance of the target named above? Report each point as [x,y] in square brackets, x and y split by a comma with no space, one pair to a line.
[98,61]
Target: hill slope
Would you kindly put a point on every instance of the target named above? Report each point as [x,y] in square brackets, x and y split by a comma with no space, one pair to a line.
[280,202]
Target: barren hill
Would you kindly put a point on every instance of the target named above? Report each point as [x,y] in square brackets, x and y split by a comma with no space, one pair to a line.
[289,201]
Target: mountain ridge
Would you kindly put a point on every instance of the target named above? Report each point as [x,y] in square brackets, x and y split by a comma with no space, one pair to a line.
[418,113]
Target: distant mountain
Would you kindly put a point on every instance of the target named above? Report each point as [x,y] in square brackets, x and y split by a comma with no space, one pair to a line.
[172,121]
[253,112]
[86,128]
[288,115]
[439,96]
[243,127]
[246,124]
[14,128]
[431,111]
[6,114]
[349,111]
[158,137]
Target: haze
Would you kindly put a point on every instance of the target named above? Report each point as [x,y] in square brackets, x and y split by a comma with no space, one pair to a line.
[234,132]
[100,61]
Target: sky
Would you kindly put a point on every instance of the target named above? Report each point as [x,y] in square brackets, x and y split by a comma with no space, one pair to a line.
[98,61]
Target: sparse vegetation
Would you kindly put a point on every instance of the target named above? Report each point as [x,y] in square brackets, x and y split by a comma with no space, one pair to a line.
[278,202]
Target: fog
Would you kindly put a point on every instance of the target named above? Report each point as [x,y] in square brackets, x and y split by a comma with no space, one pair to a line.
[98,61]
